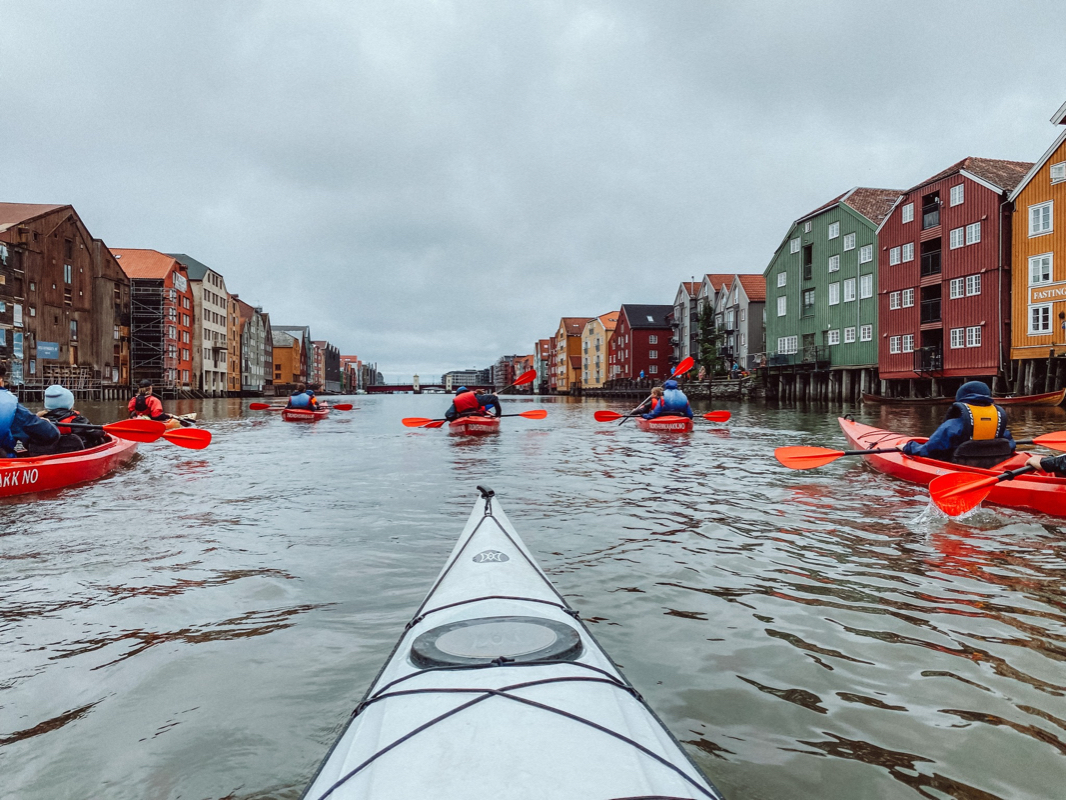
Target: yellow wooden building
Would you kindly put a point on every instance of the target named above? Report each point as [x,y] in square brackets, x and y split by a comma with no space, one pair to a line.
[568,354]
[1038,282]
[594,338]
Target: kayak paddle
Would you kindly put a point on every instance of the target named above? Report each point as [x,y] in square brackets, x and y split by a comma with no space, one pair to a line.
[685,365]
[426,422]
[957,492]
[260,406]
[528,376]
[811,457]
[713,416]
[192,438]
[1053,441]
[136,430]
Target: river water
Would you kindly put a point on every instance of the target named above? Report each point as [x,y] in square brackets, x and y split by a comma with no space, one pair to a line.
[201,624]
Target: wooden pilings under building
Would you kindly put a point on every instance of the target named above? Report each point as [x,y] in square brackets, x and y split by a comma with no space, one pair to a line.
[1039,375]
[831,385]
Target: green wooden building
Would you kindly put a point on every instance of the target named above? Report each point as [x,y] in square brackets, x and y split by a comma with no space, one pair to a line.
[821,300]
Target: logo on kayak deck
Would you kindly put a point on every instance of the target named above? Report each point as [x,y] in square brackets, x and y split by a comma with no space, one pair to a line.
[22,477]
[485,556]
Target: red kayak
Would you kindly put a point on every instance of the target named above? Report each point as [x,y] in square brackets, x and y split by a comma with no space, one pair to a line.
[46,473]
[474,425]
[1037,492]
[303,414]
[665,424]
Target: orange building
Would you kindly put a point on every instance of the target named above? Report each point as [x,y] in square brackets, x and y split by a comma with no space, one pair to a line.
[288,368]
[1038,283]
[568,353]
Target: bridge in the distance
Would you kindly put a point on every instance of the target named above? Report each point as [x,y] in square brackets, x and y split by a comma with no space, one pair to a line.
[393,388]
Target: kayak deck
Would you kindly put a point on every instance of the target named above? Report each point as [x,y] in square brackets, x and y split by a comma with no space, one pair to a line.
[665,424]
[1036,492]
[303,415]
[474,424]
[497,689]
[46,473]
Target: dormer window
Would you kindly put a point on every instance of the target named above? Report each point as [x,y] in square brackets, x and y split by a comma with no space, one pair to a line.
[1058,172]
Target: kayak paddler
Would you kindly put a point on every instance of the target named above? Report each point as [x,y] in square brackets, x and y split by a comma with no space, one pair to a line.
[673,404]
[974,432]
[146,404]
[469,403]
[303,398]
[59,408]
[1056,465]
[19,424]
[653,401]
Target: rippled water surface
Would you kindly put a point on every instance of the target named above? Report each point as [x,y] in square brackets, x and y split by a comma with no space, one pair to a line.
[201,624]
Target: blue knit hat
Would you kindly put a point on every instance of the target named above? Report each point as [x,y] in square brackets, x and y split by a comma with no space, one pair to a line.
[56,396]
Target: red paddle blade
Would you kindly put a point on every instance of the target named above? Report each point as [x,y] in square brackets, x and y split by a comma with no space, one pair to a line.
[536,413]
[415,422]
[434,423]
[1055,441]
[526,377]
[957,492]
[607,416]
[192,438]
[342,407]
[685,365]
[718,416]
[259,406]
[136,430]
[806,457]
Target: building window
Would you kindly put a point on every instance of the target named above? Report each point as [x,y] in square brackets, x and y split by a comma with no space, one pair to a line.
[957,238]
[1058,172]
[908,252]
[849,241]
[893,344]
[73,329]
[849,335]
[908,343]
[653,354]
[806,227]
[833,337]
[782,306]
[957,194]
[893,301]
[956,288]
[907,213]
[834,293]
[849,290]
[866,253]
[1040,269]
[908,298]
[973,336]
[653,369]
[973,285]
[782,278]
[33,311]
[1039,320]
[1040,218]
[866,286]
[808,303]
[653,339]
[893,256]
[866,333]
[68,273]
[834,230]
[794,246]
[973,233]
[958,338]
[834,263]
[788,345]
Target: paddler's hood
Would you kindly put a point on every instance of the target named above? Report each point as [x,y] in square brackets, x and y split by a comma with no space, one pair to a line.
[975,393]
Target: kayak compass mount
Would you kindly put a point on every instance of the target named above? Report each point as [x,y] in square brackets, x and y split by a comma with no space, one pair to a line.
[472,642]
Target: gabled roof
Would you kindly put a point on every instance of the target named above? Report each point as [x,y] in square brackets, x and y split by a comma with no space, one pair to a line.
[1003,175]
[1059,118]
[823,207]
[643,316]
[245,310]
[281,339]
[146,264]
[874,204]
[754,287]
[609,320]
[16,213]
[574,325]
[303,330]
[197,270]
[719,279]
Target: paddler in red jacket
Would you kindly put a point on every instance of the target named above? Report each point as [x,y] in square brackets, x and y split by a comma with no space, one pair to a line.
[471,404]
[146,404]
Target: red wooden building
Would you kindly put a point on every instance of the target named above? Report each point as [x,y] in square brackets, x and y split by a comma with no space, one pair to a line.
[641,342]
[944,280]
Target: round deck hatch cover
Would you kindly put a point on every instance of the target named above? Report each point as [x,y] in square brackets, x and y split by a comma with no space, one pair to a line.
[481,641]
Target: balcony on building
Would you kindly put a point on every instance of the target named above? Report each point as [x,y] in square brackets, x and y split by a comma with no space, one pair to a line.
[930,210]
[930,303]
[930,262]
[929,357]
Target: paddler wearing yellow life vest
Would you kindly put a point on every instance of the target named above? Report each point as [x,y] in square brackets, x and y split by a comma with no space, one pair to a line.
[973,434]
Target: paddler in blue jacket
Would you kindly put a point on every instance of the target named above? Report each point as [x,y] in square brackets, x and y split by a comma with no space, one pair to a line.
[303,398]
[974,433]
[673,404]
[19,424]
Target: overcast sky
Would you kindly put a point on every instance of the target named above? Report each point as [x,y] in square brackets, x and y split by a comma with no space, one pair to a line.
[430,185]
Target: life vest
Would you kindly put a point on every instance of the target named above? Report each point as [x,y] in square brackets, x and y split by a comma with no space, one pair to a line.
[466,402]
[60,415]
[140,404]
[302,400]
[674,402]
[8,405]
[980,422]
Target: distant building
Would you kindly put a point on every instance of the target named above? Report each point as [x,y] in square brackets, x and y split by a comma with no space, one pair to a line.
[594,342]
[541,363]
[329,376]
[740,316]
[64,302]
[211,352]
[641,342]
[257,347]
[162,319]
[466,377]
[302,334]
[568,354]
[288,361]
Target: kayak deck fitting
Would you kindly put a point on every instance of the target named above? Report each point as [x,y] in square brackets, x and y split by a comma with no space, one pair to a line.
[497,689]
